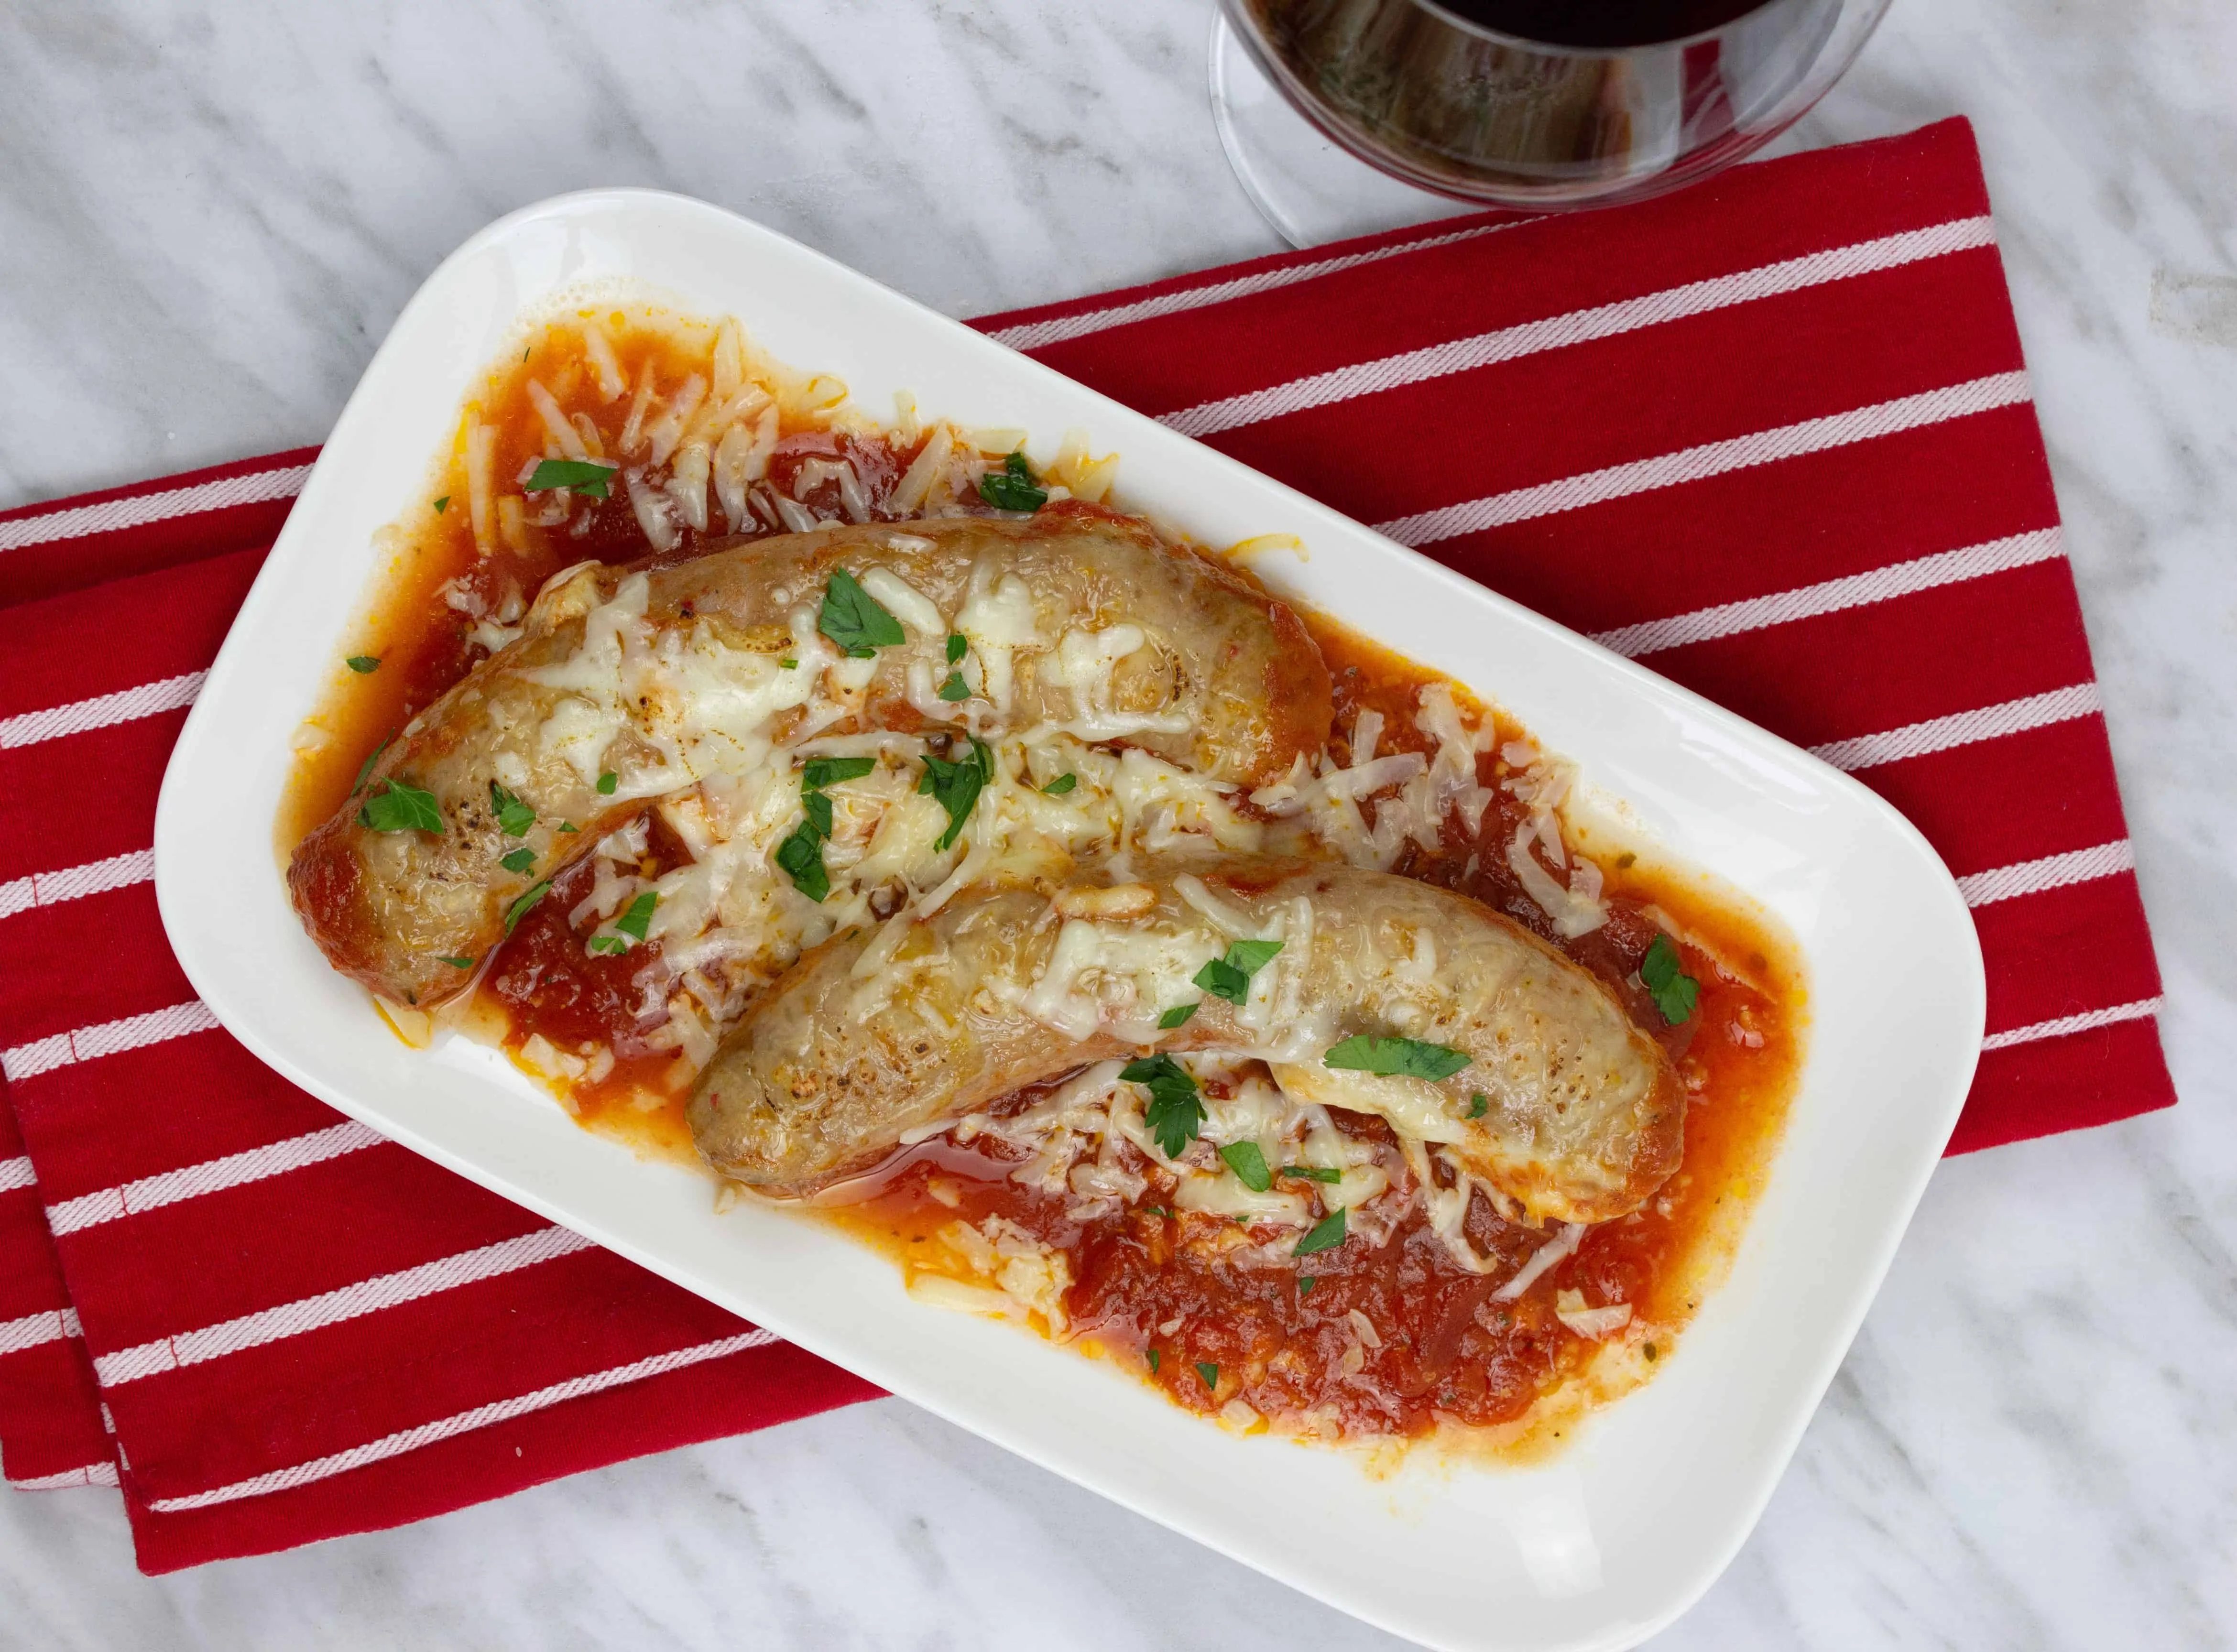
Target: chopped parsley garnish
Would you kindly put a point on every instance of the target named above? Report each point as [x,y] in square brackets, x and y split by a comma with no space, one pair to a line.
[1477,1102]
[568,825]
[1249,1165]
[365,767]
[1228,977]
[581,474]
[820,772]
[442,504]
[633,922]
[1060,784]
[522,907]
[1305,1283]
[519,860]
[1313,1172]
[801,855]
[1326,1234]
[604,945]
[1153,1362]
[1176,1017]
[401,808]
[852,618]
[789,663]
[1209,1371]
[800,859]
[1012,487]
[957,646]
[363,664]
[513,817]
[1395,1058]
[955,787]
[607,782]
[1675,992]
[1176,1111]
[457,963]
[954,689]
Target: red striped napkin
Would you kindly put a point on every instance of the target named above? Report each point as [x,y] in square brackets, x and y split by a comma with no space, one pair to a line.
[1772,436]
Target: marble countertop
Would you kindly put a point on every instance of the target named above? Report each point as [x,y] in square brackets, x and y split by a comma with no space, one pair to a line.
[208,217]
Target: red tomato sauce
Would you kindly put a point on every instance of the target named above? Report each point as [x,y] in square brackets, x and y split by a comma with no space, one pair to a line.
[1389,1339]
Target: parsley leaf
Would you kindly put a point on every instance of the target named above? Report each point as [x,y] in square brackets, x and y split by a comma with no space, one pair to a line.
[442,504]
[955,787]
[521,908]
[401,808]
[954,689]
[1176,1111]
[789,663]
[957,646]
[1477,1102]
[1312,1172]
[800,857]
[633,922]
[1326,1234]
[1675,992]
[1209,1371]
[519,860]
[1176,1017]
[1395,1058]
[1012,487]
[1305,1283]
[1060,784]
[1251,956]
[513,817]
[568,825]
[820,772]
[604,945]
[457,963]
[581,474]
[1249,1165]
[363,664]
[607,782]
[1228,977]
[1153,1362]
[852,618]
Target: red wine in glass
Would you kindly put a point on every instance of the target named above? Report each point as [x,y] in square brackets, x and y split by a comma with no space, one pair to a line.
[1550,102]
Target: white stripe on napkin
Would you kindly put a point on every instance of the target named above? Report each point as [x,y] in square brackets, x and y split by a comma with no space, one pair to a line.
[1710,459]
[111,515]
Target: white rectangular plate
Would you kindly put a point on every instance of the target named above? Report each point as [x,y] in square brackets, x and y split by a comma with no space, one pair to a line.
[1599,1550]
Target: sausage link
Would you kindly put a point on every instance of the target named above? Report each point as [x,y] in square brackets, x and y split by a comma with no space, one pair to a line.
[1580,1116]
[649,680]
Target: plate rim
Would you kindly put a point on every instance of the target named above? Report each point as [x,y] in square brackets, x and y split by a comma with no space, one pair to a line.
[222,994]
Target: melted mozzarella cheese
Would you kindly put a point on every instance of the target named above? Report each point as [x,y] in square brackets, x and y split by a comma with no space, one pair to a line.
[1114,977]
[681,717]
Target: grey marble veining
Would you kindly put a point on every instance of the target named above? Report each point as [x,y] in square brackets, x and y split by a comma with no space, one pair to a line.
[208,216]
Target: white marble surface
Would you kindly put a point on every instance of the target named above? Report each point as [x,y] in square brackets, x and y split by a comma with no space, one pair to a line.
[209,215]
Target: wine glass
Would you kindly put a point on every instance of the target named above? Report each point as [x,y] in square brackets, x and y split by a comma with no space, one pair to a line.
[1538,104]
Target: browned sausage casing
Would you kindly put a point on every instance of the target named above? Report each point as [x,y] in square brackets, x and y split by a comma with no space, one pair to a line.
[1225,681]
[1583,1115]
